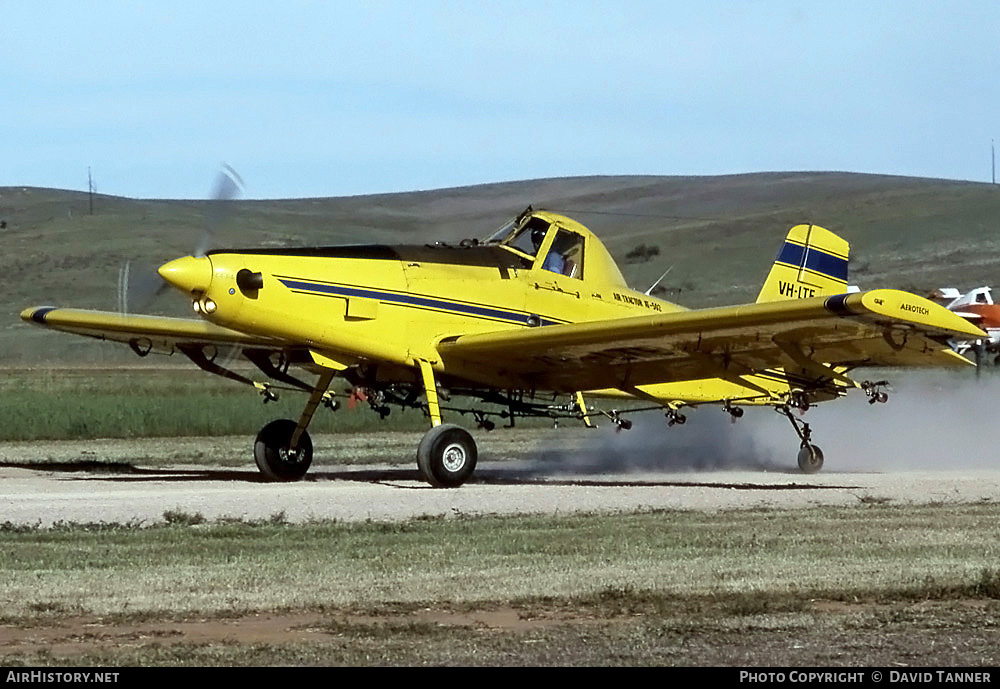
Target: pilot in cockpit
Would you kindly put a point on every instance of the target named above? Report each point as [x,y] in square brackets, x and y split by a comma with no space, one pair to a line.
[554,262]
[565,252]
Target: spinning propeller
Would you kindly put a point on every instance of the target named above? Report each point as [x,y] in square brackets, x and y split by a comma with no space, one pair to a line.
[138,286]
[228,187]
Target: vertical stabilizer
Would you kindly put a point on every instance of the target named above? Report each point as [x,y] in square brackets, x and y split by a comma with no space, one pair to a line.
[811,262]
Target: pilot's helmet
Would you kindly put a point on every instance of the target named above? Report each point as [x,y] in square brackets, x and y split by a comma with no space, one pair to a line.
[537,236]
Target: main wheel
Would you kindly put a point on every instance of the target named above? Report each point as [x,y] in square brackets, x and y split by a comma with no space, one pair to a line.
[446,456]
[810,459]
[274,459]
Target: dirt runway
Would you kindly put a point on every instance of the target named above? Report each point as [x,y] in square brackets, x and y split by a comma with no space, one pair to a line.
[139,480]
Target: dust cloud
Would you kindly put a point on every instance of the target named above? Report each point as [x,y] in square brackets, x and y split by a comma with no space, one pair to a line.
[933,420]
[708,441]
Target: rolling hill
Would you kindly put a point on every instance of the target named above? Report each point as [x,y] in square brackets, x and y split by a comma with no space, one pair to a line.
[719,234]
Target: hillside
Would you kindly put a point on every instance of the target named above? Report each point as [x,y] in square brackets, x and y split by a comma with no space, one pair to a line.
[719,234]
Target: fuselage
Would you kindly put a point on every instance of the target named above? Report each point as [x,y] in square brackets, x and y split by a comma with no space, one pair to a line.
[393,304]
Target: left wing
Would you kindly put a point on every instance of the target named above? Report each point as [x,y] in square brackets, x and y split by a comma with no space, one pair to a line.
[200,341]
[875,328]
[142,333]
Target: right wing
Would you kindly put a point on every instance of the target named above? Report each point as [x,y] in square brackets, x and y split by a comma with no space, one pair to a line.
[874,328]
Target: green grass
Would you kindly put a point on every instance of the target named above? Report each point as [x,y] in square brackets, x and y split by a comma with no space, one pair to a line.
[130,403]
[122,402]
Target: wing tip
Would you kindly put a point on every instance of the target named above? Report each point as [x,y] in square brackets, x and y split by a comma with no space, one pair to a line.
[36,314]
[916,310]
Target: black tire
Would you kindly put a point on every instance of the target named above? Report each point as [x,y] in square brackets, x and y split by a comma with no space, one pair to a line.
[271,452]
[810,459]
[446,456]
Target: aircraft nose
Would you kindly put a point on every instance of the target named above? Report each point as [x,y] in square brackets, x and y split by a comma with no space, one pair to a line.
[189,274]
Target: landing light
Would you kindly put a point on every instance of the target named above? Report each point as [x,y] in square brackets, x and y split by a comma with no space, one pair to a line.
[209,306]
[196,306]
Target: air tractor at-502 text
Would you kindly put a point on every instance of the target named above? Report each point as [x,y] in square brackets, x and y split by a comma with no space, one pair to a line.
[532,320]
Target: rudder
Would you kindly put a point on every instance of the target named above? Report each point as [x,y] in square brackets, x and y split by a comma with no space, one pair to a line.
[811,262]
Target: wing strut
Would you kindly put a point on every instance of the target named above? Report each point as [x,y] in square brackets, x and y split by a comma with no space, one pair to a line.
[197,354]
[262,360]
[737,377]
[816,368]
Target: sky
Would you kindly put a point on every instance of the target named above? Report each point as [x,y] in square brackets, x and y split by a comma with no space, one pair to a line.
[311,99]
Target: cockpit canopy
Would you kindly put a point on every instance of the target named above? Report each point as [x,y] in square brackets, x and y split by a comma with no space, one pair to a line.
[558,245]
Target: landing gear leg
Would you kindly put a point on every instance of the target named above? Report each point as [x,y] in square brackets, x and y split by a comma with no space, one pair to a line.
[283,449]
[810,458]
[447,454]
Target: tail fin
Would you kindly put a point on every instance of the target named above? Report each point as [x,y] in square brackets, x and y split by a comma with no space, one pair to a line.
[812,262]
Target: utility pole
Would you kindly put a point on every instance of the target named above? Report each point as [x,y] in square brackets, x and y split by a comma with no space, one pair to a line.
[90,190]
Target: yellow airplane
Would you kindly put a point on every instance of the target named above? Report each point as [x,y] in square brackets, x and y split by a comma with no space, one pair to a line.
[535,320]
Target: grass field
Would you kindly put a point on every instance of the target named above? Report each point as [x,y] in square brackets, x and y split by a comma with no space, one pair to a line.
[63,403]
[774,587]
[116,402]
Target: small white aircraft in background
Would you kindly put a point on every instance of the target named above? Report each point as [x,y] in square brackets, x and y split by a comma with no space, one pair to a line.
[977,307]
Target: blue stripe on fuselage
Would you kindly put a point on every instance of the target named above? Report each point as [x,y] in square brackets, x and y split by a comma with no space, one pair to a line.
[410,300]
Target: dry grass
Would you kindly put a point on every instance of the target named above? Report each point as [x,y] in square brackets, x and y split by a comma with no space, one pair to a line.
[879,552]
[872,585]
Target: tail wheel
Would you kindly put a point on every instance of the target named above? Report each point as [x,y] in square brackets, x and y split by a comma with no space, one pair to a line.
[446,456]
[810,459]
[274,458]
